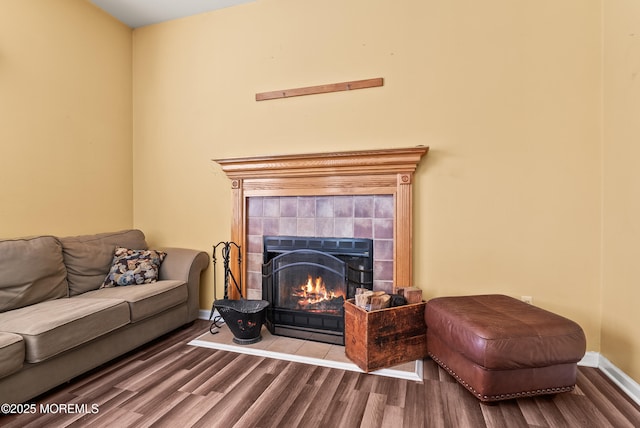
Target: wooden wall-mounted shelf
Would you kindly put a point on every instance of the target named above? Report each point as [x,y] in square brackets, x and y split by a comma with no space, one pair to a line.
[320,89]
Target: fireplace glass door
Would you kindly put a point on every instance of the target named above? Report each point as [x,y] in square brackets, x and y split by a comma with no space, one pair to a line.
[306,280]
[309,280]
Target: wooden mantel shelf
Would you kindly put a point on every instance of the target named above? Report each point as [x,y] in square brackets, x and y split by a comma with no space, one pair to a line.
[385,161]
[370,172]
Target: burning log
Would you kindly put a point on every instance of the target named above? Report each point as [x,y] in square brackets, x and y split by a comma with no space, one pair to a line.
[314,296]
[332,305]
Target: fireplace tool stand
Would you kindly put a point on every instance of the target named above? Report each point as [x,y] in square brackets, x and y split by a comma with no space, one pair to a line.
[244,317]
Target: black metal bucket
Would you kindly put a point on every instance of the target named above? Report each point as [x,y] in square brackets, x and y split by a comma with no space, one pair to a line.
[244,318]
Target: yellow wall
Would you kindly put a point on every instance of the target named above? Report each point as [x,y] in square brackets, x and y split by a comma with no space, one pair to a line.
[506,93]
[65,119]
[621,208]
[529,187]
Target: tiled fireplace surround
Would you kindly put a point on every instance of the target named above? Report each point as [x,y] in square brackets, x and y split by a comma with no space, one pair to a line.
[359,194]
[353,216]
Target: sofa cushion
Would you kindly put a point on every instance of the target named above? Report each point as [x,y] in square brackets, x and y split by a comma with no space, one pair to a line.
[131,267]
[88,257]
[52,327]
[11,353]
[32,271]
[144,300]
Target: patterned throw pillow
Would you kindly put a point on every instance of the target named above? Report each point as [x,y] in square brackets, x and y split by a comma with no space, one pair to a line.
[131,267]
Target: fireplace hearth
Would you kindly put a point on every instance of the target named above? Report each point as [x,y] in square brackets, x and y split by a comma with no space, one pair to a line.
[306,280]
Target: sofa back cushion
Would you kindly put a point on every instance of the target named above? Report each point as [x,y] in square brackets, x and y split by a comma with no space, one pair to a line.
[88,258]
[31,271]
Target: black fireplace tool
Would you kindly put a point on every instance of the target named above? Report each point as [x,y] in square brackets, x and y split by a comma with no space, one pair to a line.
[228,275]
[243,317]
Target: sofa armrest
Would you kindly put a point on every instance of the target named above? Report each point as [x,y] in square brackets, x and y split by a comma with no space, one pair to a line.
[186,265]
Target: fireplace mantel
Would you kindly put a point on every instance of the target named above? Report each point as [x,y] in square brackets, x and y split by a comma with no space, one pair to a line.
[390,161]
[370,172]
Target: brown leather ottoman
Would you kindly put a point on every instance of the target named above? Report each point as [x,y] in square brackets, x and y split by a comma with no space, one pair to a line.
[501,348]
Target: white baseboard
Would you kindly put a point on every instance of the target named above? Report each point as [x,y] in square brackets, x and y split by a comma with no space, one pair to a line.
[204,314]
[620,378]
[590,359]
[617,376]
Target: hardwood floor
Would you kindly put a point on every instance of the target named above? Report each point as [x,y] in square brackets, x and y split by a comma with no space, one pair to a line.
[169,383]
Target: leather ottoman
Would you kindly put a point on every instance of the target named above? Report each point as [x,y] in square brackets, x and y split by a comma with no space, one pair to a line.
[501,348]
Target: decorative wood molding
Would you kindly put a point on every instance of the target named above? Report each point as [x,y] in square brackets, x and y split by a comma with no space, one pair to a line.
[369,162]
[370,172]
[320,89]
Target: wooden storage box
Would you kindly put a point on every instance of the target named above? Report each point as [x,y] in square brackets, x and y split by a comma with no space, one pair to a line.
[386,337]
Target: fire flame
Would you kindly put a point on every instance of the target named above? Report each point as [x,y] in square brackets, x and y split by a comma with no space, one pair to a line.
[315,291]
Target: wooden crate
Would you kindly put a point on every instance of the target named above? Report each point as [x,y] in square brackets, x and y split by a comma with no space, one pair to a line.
[386,337]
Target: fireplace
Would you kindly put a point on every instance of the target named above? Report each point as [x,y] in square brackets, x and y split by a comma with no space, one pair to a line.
[306,281]
[381,173]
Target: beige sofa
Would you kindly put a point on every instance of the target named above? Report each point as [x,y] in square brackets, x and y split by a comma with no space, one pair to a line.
[57,323]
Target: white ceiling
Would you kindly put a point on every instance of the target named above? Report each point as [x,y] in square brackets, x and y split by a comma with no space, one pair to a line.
[138,13]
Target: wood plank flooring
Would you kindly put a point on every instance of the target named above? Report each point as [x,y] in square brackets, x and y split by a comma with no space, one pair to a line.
[171,384]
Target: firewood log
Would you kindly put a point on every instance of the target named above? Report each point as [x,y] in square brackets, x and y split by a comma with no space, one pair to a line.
[412,294]
[380,302]
[363,299]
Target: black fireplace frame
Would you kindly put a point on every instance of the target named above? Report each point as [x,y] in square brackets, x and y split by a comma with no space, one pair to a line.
[322,327]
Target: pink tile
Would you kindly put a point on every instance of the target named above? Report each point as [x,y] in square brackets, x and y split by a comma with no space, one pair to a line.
[288,206]
[343,227]
[383,228]
[254,262]
[383,270]
[383,249]
[306,207]
[254,244]
[288,226]
[254,294]
[271,207]
[254,226]
[324,227]
[324,207]
[363,228]
[363,206]
[386,286]
[271,226]
[254,285]
[383,206]
[343,206]
[254,206]
[306,227]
